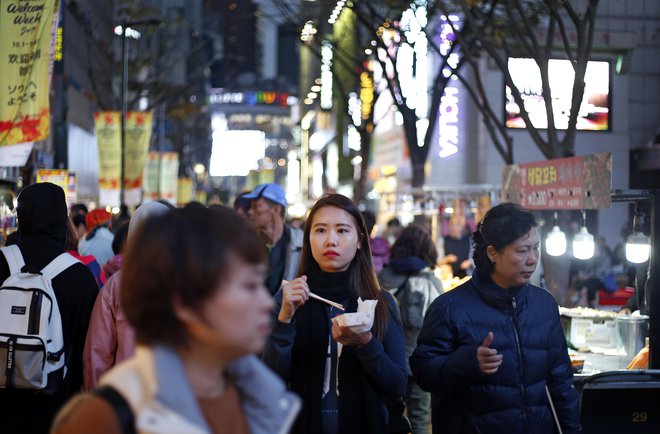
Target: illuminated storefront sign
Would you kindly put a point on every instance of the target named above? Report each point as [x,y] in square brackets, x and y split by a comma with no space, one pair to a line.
[366,94]
[253,98]
[326,76]
[448,115]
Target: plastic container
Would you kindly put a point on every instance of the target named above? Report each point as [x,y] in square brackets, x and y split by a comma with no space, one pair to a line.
[631,332]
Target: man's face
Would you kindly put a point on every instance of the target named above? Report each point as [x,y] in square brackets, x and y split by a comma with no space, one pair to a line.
[262,213]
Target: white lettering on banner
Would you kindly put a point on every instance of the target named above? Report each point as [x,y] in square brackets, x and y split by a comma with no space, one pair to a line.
[448,113]
[448,123]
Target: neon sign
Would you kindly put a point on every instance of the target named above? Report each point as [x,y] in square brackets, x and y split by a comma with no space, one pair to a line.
[448,118]
[253,98]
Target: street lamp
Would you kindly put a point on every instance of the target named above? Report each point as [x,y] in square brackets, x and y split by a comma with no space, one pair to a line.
[126,30]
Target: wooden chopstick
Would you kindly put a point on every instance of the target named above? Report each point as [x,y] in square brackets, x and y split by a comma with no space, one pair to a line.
[319,298]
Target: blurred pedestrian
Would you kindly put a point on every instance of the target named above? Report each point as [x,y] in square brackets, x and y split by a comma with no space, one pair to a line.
[42,219]
[457,248]
[242,205]
[193,289]
[343,377]
[267,213]
[409,278]
[380,247]
[118,246]
[89,261]
[110,337]
[98,240]
[492,351]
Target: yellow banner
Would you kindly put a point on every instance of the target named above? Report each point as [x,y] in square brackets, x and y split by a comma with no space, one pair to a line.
[184,191]
[137,136]
[108,135]
[25,44]
[161,176]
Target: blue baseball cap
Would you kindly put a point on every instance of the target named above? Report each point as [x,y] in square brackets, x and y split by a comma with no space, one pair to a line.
[272,192]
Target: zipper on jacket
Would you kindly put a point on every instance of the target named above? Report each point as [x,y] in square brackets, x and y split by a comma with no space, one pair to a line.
[521,365]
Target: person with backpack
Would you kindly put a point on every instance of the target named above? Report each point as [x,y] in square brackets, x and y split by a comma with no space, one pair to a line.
[409,278]
[29,406]
[193,289]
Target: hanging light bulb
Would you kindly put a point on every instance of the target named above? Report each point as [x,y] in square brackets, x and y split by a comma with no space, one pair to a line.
[555,242]
[583,242]
[638,248]
[638,245]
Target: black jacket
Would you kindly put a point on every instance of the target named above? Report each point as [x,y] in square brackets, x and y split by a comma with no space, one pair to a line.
[527,332]
[42,217]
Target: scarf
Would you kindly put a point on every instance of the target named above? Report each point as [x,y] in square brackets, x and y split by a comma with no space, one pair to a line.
[361,407]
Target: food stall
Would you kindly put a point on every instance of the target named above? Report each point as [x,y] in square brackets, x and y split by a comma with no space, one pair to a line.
[615,396]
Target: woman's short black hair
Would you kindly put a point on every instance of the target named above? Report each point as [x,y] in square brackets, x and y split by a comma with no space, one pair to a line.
[119,241]
[182,255]
[502,225]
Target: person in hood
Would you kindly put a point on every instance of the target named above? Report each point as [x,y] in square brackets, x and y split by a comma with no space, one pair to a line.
[193,289]
[409,278]
[98,241]
[42,220]
[110,338]
[380,247]
[492,351]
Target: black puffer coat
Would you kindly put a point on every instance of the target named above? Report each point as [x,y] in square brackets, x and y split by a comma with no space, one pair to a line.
[527,332]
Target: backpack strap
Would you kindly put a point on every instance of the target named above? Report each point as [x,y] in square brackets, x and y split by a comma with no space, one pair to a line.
[120,406]
[398,290]
[14,258]
[57,265]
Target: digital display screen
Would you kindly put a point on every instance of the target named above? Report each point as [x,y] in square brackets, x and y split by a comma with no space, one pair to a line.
[594,114]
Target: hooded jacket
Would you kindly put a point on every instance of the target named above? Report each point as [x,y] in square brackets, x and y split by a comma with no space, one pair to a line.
[527,332]
[415,287]
[42,215]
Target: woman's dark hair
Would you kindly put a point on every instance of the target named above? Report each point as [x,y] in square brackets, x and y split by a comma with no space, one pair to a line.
[415,241]
[369,220]
[79,219]
[119,241]
[362,276]
[71,242]
[502,225]
[181,255]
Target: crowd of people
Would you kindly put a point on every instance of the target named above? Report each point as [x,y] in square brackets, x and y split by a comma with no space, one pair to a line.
[207,319]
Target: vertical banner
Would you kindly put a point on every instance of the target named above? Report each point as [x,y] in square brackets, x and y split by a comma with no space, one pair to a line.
[137,135]
[161,176]
[184,191]
[108,135]
[169,172]
[151,177]
[25,45]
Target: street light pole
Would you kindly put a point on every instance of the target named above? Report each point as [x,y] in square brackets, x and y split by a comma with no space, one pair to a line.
[124,107]
[124,88]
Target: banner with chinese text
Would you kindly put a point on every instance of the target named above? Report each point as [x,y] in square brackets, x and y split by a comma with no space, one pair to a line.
[161,176]
[583,182]
[137,136]
[108,135]
[26,29]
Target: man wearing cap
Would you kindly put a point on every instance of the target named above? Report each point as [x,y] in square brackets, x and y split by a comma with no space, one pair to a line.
[267,212]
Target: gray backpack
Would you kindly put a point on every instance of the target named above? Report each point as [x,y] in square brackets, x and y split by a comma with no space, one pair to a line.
[31,339]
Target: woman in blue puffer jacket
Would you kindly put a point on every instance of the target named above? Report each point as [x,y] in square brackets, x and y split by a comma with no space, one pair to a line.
[492,351]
